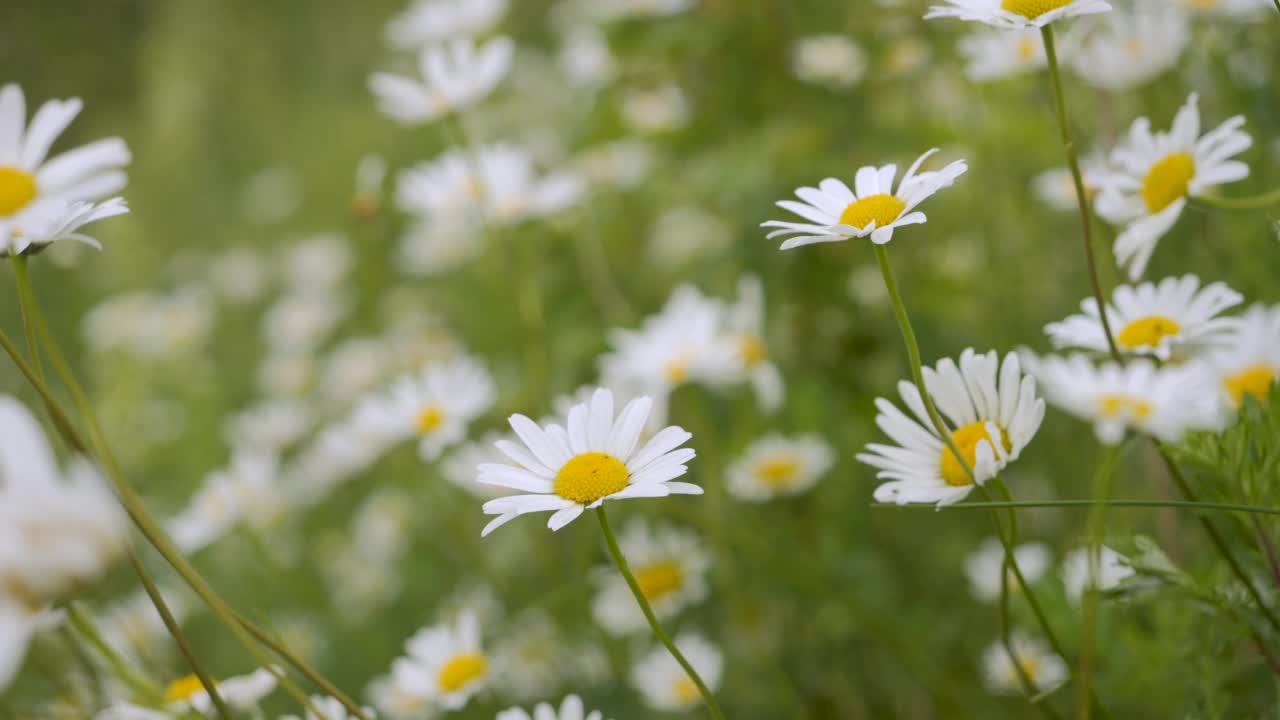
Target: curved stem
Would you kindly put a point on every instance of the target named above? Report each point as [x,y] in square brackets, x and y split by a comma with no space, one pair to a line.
[1017,504]
[279,648]
[621,562]
[1082,196]
[1253,202]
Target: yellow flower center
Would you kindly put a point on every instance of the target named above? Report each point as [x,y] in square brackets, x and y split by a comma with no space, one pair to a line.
[1032,9]
[882,208]
[462,669]
[1147,331]
[1030,667]
[1114,406]
[1255,380]
[686,692]
[677,370]
[752,350]
[17,188]
[779,472]
[966,439]
[182,689]
[1167,181]
[590,476]
[660,579]
[1027,49]
[430,419]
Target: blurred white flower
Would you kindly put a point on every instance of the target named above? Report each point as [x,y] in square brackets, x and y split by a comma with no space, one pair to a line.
[17,623]
[995,54]
[619,164]
[270,425]
[150,325]
[428,22]
[353,368]
[585,57]
[290,373]
[238,275]
[1234,9]
[444,664]
[438,247]
[656,109]
[686,233]
[1056,188]
[330,709]
[245,490]
[133,627]
[1031,658]
[670,565]
[985,567]
[744,329]
[243,692]
[320,262]
[531,658]
[1129,47]
[1249,362]
[621,9]
[1113,568]
[775,466]
[454,76]
[271,195]
[570,709]
[301,320]
[665,686]
[835,61]
[381,525]
[1016,13]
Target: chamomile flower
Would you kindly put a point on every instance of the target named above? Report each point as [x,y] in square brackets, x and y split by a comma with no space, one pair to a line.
[454,76]
[1154,174]
[621,9]
[665,686]
[775,466]
[596,459]
[1031,658]
[531,657]
[873,207]
[1016,13]
[329,708]
[670,566]
[1175,315]
[995,410]
[132,626]
[1131,46]
[657,109]
[444,664]
[1057,189]
[570,709]
[46,199]
[245,490]
[1235,9]
[745,330]
[985,567]
[429,22]
[242,693]
[1164,402]
[832,60]
[1249,363]
[1112,569]
[998,54]
[435,405]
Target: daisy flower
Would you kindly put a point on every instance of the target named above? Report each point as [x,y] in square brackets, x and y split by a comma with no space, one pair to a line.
[1153,175]
[1235,9]
[1249,364]
[444,663]
[531,657]
[745,328]
[1057,188]
[454,76]
[1157,319]
[670,566]
[833,60]
[245,489]
[1113,568]
[16,627]
[998,54]
[1164,402]
[435,406]
[595,459]
[621,9]
[429,22]
[985,567]
[1032,658]
[873,207]
[984,399]
[330,709]
[242,693]
[1016,13]
[657,109]
[570,709]
[1130,47]
[664,684]
[775,466]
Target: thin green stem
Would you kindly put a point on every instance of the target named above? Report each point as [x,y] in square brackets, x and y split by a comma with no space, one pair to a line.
[1077,178]
[26,298]
[1097,517]
[277,647]
[85,628]
[621,562]
[1253,202]
[1018,504]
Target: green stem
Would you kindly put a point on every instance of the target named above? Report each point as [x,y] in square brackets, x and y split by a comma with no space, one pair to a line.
[1097,517]
[26,298]
[661,634]
[1253,202]
[277,647]
[1082,196]
[1197,505]
[142,686]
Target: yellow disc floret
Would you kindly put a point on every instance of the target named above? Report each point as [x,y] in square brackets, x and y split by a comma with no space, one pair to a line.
[461,670]
[1167,181]
[17,188]
[1032,9]
[1147,331]
[686,692]
[881,208]
[1117,406]
[430,418]
[966,439]
[657,580]
[752,350]
[182,689]
[779,472]
[1255,380]
[590,476]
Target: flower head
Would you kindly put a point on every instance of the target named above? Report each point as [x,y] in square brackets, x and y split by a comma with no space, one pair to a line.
[444,664]
[570,709]
[873,207]
[834,60]
[1031,658]
[1248,364]
[1112,569]
[998,54]
[670,565]
[744,330]
[665,685]
[453,76]
[1131,46]
[597,458]
[986,572]
[430,22]
[1016,13]
[243,692]
[775,466]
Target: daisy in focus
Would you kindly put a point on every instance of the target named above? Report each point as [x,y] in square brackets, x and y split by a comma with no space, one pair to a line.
[670,566]
[873,207]
[775,466]
[995,410]
[429,22]
[1154,174]
[1173,317]
[1016,13]
[999,54]
[570,709]
[1164,402]
[1113,568]
[1031,658]
[435,406]
[597,458]
[665,686]
[1131,46]
[444,664]
[453,77]
[1249,364]
[985,567]
[45,199]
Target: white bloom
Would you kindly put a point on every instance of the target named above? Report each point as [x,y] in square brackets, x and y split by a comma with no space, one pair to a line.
[837,213]
[238,275]
[1164,402]
[1045,669]
[620,9]
[43,200]
[656,109]
[1235,9]
[396,702]
[242,693]
[454,76]
[585,57]
[381,526]
[664,684]
[301,320]
[1154,174]
[245,490]
[132,626]
[1016,13]
[686,233]
[570,709]
[1056,188]
[985,567]
[444,664]
[984,399]
[330,709]
[1249,363]
[775,466]
[531,657]
[832,60]
[745,331]
[1174,315]
[427,22]
[995,54]
[595,459]
[435,405]
[320,262]
[353,368]
[620,164]
[438,247]
[1130,47]
[1113,568]
[670,566]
